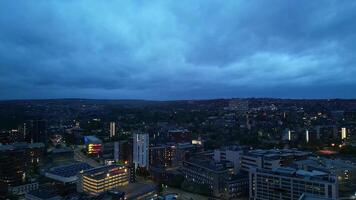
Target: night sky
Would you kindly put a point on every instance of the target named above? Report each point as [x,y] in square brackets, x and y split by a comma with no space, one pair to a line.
[185,49]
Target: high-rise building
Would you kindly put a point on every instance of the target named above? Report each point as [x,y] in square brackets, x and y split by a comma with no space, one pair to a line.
[112,129]
[343,133]
[35,131]
[17,161]
[306,136]
[290,183]
[140,149]
[163,156]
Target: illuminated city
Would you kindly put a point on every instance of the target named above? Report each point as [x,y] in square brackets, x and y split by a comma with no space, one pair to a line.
[177,100]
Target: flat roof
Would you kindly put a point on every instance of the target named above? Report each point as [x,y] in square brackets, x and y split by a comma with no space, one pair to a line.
[92,139]
[19,146]
[70,170]
[101,172]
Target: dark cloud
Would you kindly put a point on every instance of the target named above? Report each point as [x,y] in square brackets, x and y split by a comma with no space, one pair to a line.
[177,50]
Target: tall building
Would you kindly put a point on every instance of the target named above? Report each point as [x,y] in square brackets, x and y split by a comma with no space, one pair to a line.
[343,133]
[17,161]
[140,149]
[111,151]
[289,183]
[306,136]
[98,180]
[35,131]
[163,156]
[112,129]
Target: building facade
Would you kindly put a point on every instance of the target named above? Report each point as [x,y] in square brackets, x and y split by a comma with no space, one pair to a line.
[289,183]
[140,150]
[101,179]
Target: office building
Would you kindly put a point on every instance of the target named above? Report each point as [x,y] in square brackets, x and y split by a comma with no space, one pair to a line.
[290,183]
[232,154]
[163,156]
[100,179]
[237,185]
[214,175]
[140,150]
[17,161]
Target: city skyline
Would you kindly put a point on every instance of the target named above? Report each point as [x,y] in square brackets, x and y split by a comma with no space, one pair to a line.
[167,50]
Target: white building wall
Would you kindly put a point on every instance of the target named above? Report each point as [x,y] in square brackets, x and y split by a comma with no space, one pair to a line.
[140,149]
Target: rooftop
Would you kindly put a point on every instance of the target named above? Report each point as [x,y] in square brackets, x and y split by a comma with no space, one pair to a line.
[92,139]
[70,170]
[301,174]
[271,153]
[102,171]
[19,146]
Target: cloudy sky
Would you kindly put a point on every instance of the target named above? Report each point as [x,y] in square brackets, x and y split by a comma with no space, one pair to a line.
[186,49]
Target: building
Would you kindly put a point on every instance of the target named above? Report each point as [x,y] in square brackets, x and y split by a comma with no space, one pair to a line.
[179,135]
[17,161]
[344,171]
[140,150]
[291,183]
[232,154]
[163,156]
[112,129]
[65,177]
[43,194]
[111,151]
[101,179]
[271,159]
[93,145]
[67,174]
[213,175]
[23,189]
[35,131]
[237,185]
[312,197]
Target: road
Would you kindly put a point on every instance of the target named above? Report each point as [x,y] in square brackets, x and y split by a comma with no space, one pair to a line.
[79,156]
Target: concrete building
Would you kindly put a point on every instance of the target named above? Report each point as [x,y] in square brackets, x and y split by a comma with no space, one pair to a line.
[271,159]
[207,173]
[140,150]
[291,183]
[101,179]
[232,154]
[17,161]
